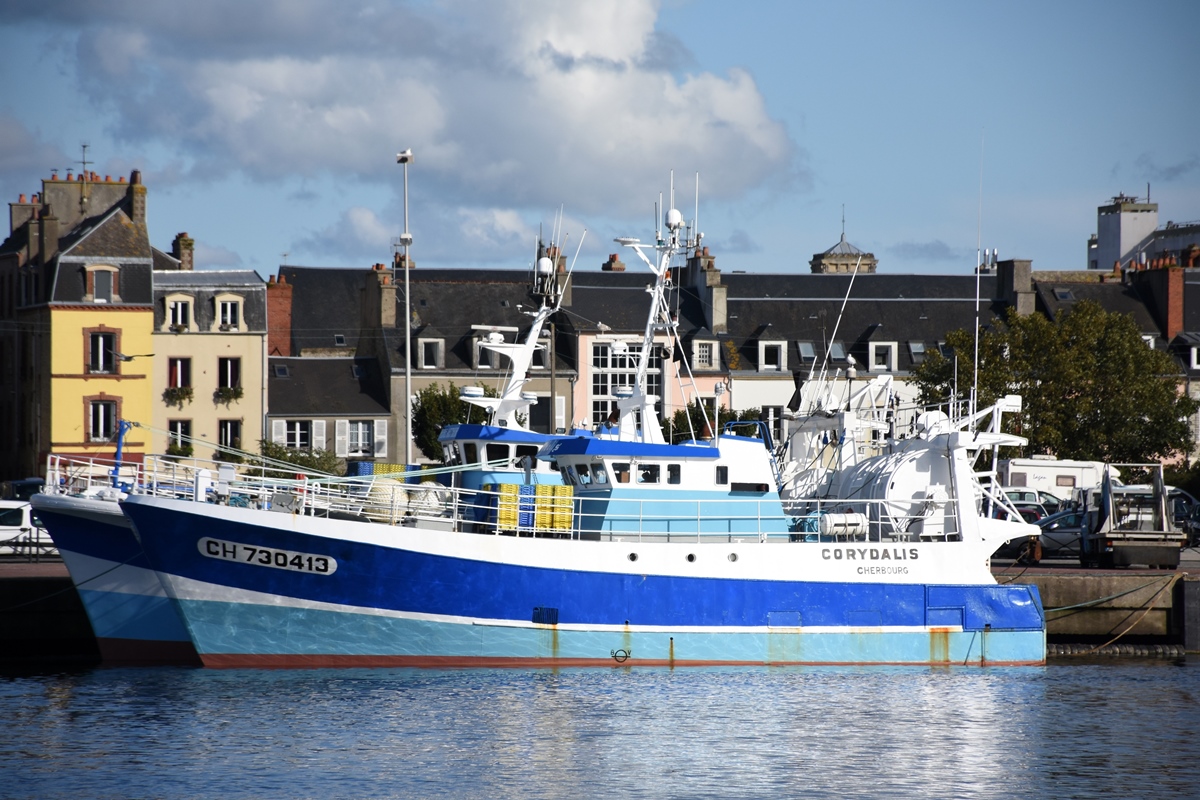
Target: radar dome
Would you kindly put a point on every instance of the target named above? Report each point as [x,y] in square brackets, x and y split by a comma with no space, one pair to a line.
[674,219]
[545,266]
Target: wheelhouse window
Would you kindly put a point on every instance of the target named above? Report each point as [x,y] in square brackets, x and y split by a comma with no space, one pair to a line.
[648,473]
[497,452]
[621,471]
[102,352]
[722,475]
[673,473]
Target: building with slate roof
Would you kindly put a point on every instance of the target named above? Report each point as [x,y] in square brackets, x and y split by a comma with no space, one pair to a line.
[329,403]
[76,311]
[209,342]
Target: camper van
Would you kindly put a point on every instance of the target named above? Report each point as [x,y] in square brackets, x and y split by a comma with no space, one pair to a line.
[1048,474]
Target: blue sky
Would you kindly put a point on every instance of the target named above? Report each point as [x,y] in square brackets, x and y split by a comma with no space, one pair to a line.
[271,127]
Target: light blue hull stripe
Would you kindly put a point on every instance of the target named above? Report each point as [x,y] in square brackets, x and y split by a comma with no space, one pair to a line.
[250,630]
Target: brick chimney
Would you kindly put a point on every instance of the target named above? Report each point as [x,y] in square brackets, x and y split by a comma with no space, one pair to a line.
[137,198]
[48,246]
[379,299]
[1174,301]
[279,317]
[183,249]
[613,264]
[398,262]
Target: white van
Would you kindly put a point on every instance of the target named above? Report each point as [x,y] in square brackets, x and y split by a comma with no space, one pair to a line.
[22,533]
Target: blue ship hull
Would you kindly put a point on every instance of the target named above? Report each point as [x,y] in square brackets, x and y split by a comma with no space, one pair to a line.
[263,588]
[131,616]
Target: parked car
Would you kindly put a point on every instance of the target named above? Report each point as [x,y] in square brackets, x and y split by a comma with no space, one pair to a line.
[1031,512]
[1050,502]
[1060,534]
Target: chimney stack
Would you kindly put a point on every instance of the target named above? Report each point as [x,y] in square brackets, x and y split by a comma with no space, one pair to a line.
[613,264]
[183,249]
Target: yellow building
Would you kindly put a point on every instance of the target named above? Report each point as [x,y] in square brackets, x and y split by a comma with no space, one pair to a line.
[76,317]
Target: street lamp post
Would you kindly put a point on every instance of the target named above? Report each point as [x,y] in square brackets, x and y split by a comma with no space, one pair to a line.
[406,158]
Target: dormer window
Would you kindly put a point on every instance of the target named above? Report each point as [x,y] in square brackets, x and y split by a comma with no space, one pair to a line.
[837,351]
[102,284]
[917,351]
[178,316]
[772,356]
[1196,358]
[704,355]
[430,352]
[808,353]
[228,315]
[484,358]
[883,356]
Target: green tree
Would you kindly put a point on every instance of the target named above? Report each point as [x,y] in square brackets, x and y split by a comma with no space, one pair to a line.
[435,408]
[316,460]
[675,427]
[1091,388]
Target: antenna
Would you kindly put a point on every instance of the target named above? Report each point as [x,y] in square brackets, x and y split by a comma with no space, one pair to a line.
[978,271]
[696,219]
[84,173]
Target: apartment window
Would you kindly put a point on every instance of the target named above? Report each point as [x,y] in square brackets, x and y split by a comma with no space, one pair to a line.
[1149,340]
[360,438]
[179,314]
[540,357]
[1196,358]
[704,355]
[179,373]
[883,356]
[431,353]
[102,420]
[229,433]
[614,366]
[771,357]
[297,434]
[229,373]
[229,314]
[180,434]
[102,352]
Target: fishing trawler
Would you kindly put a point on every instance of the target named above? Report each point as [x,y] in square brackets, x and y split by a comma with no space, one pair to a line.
[661,554]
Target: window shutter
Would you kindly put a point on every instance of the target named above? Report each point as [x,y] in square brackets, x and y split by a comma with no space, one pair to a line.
[340,437]
[381,438]
[318,429]
[279,431]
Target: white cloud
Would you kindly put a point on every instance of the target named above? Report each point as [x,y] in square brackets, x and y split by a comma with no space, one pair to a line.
[357,235]
[512,107]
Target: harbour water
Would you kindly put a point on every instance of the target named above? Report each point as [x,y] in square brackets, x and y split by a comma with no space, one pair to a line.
[1116,728]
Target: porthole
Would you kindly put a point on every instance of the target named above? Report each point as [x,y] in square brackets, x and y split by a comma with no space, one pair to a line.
[633,556]
[691,557]
[733,556]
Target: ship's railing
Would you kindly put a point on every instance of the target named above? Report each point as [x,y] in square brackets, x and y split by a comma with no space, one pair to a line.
[544,512]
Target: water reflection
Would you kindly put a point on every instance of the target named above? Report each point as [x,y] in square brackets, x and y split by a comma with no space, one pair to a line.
[1072,730]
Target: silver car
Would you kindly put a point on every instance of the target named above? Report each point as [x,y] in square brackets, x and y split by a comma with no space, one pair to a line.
[1060,534]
